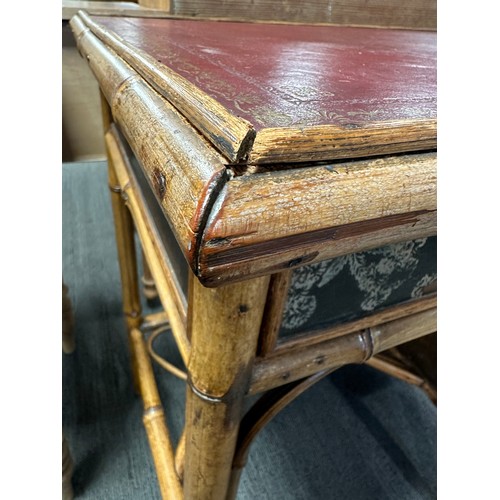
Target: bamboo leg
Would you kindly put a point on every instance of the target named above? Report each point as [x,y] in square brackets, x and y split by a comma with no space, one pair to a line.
[154,422]
[125,242]
[225,330]
[180,455]
[148,284]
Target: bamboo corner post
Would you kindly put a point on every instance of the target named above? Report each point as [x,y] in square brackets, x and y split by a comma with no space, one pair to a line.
[224,337]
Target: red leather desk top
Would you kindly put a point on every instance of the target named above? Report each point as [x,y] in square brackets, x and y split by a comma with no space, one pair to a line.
[296,75]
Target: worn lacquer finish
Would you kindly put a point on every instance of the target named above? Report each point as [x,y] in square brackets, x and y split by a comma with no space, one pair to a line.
[273,221]
[351,91]
[178,162]
[233,226]
[231,135]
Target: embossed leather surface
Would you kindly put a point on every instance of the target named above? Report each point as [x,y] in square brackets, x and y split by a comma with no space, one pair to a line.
[296,75]
[355,285]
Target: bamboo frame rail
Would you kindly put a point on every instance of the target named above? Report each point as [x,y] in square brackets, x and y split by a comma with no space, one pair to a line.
[126,248]
[180,455]
[120,158]
[275,221]
[125,243]
[179,163]
[154,320]
[279,368]
[159,269]
[148,283]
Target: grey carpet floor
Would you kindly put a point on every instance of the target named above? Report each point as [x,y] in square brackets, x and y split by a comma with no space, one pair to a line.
[356,435]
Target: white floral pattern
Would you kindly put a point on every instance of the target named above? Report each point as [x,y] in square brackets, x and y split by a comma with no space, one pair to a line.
[423,282]
[377,273]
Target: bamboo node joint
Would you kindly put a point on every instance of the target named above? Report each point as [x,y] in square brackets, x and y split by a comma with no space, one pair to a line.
[153,411]
[369,343]
[202,395]
[132,314]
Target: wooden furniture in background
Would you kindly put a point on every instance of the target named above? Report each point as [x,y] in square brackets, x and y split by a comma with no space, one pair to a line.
[244,154]
[417,14]
[68,346]
[103,8]
[82,132]
[156,4]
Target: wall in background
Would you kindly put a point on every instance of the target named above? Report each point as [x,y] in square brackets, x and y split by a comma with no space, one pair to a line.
[82,132]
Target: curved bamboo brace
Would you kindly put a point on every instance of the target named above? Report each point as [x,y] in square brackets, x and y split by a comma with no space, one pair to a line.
[159,359]
[155,320]
[260,414]
[403,374]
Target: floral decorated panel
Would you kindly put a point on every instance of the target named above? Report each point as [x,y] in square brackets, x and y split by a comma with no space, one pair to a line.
[355,285]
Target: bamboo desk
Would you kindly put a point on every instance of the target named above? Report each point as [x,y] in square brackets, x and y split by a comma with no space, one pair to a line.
[244,154]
